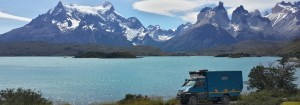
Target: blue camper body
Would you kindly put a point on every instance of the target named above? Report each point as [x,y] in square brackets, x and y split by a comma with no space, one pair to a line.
[215,86]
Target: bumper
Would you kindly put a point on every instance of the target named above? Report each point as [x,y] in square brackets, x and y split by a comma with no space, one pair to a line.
[184,96]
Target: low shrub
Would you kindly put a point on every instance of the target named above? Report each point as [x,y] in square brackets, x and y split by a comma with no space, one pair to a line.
[22,96]
[266,97]
[172,102]
[132,99]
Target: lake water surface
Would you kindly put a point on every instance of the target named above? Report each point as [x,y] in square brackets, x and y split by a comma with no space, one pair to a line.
[97,80]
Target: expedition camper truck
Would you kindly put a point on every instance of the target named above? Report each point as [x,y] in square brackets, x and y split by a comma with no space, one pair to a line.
[215,86]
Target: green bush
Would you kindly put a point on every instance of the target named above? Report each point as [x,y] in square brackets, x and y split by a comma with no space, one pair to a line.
[132,99]
[295,98]
[259,98]
[266,97]
[279,77]
[172,102]
[22,96]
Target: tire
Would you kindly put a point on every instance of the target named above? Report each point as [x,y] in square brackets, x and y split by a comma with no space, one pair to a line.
[183,102]
[226,100]
[193,100]
[215,101]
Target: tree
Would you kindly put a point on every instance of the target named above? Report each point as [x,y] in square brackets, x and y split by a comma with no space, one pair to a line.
[259,78]
[279,77]
[22,96]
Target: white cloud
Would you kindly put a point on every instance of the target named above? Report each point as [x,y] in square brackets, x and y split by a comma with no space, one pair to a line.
[190,17]
[185,9]
[13,17]
[167,7]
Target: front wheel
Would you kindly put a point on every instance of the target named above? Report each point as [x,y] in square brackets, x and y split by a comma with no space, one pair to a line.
[183,102]
[193,100]
[226,100]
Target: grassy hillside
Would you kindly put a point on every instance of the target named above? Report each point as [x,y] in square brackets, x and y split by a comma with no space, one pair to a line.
[251,47]
[262,48]
[54,49]
[290,47]
[256,48]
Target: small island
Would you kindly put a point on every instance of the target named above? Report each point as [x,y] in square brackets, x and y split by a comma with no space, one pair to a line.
[105,55]
[234,55]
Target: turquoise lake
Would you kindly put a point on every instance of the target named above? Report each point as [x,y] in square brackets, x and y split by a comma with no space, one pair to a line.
[83,81]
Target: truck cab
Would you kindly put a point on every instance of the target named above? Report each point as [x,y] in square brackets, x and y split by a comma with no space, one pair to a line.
[215,86]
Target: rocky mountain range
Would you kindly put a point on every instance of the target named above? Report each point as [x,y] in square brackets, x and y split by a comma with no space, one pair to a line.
[285,18]
[84,24]
[103,25]
[214,28]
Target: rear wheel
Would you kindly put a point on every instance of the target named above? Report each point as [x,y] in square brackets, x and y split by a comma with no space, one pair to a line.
[226,100]
[215,101]
[193,100]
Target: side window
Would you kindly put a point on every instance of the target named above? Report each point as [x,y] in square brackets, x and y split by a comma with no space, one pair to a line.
[224,78]
[200,83]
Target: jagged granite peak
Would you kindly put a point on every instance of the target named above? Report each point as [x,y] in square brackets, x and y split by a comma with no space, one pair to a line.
[251,26]
[58,9]
[285,18]
[133,19]
[108,5]
[153,27]
[217,16]
[159,34]
[240,16]
[197,38]
[256,12]
[256,28]
[240,10]
[59,4]
[183,28]
[277,8]
[286,3]
[206,9]
[134,23]
[149,41]
[220,6]
[285,7]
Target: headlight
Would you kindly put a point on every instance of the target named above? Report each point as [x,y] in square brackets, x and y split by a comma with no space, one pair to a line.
[179,92]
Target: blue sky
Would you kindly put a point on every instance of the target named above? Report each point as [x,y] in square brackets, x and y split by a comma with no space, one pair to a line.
[166,13]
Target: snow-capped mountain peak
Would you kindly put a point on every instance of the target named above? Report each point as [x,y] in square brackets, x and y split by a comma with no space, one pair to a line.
[285,7]
[101,24]
[285,17]
[68,17]
[90,10]
[108,5]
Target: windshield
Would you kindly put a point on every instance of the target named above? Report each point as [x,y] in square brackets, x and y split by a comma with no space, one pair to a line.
[190,83]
